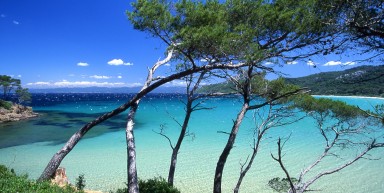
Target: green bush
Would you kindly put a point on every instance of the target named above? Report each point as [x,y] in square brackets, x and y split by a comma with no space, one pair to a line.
[5,104]
[281,185]
[10,182]
[80,182]
[155,185]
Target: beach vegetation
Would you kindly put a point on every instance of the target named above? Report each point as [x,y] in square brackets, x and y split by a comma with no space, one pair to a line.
[80,182]
[10,182]
[153,185]
[5,104]
[280,185]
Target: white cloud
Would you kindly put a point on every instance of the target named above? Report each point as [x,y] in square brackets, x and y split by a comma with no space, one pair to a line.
[311,63]
[335,63]
[39,84]
[16,22]
[134,84]
[292,62]
[332,63]
[349,63]
[82,64]
[268,63]
[119,77]
[19,76]
[177,83]
[100,77]
[118,62]
[207,60]
[167,64]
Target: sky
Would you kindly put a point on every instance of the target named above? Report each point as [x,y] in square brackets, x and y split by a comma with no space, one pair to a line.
[81,43]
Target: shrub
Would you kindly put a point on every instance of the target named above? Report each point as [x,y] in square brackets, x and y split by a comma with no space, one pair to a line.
[155,185]
[5,104]
[10,182]
[80,182]
[281,185]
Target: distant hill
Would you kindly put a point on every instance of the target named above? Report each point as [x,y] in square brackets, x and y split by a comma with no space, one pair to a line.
[224,87]
[358,81]
[106,90]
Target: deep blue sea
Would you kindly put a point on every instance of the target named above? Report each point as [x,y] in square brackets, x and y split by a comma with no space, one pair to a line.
[28,145]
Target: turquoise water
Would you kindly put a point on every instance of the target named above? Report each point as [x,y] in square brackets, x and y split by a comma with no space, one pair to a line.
[27,146]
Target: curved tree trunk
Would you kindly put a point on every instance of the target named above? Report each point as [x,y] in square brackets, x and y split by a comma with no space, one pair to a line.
[58,157]
[244,172]
[245,87]
[175,151]
[227,149]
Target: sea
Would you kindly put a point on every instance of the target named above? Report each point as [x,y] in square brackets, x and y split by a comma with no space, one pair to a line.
[28,145]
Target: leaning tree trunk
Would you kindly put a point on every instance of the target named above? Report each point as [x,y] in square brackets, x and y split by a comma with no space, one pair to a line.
[133,186]
[246,90]
[175,150]
[227,149]
[244,172]
[58,157]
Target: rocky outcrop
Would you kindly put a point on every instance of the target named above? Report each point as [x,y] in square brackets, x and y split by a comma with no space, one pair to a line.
[60,177]
[16,113]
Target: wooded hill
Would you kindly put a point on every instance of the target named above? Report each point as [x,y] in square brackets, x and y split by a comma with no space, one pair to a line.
[358,81]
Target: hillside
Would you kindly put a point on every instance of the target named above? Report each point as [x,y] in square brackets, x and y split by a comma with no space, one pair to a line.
[358,81]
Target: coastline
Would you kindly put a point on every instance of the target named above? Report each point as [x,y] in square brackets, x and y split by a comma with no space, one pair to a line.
[107,152]
[16,113]
[340,96]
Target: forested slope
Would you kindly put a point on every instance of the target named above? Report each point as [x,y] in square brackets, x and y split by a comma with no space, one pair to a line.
[358,81]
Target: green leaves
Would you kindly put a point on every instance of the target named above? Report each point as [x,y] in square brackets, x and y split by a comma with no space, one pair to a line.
[152,16]
[281,185]
[327,106]
[236,30]
[153,185]
[10,182]
[8,83]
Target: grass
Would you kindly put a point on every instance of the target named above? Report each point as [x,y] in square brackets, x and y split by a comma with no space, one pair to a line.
[10,182]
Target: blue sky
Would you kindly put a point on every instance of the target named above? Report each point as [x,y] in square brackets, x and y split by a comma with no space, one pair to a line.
[79,43]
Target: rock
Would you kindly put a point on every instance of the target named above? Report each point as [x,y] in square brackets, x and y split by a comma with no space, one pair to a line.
[16,113]
[60,177]
[61,180]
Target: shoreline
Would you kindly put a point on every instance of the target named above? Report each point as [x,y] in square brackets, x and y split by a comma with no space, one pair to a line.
[341,96]
[16,113]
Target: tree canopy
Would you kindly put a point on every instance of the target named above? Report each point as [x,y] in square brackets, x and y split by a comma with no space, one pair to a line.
[235,31]
[8,83]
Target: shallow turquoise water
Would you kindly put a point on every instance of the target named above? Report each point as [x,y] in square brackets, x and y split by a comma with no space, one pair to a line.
[27,146]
